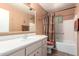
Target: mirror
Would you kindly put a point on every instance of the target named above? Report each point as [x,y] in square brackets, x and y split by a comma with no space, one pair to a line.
[17,17]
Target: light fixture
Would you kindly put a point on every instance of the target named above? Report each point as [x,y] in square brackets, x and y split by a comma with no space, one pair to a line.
[29,5]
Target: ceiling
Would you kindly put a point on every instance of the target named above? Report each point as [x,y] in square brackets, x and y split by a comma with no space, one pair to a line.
[56,6]
[22,7]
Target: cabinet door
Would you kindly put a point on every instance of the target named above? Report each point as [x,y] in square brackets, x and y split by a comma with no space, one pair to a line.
[33,47]
[44,50]
[39,52]
[19,53]
[33,54]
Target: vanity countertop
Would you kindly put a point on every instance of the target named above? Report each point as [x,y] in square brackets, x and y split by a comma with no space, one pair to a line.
[9,46]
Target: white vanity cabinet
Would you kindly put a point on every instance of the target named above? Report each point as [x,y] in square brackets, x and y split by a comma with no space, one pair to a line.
[33,47]
[37,49]
[18,53]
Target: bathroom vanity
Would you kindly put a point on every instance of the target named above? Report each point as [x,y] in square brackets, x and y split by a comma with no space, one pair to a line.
[35,45]
[22,21]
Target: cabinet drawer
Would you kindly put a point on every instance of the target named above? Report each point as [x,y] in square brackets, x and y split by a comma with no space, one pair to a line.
[44,41]
[37,52]
[33,47]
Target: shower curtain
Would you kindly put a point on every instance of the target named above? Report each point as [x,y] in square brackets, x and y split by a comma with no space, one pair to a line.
[46,25]
[49,28]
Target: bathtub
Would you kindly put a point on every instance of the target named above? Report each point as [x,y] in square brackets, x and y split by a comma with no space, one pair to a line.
[66,47]
[69,38]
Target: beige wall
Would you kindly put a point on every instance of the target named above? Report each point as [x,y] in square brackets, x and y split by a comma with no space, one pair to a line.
[67,14]
[40,13]
[17,17]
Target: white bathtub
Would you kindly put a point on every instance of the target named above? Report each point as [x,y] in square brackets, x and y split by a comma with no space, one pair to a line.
[69,40]
[66,47]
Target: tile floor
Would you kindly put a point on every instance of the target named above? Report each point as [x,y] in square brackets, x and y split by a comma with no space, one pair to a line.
[58,53]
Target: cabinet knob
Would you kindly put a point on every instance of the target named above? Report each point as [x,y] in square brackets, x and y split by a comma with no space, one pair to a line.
[37,52]
[34,54]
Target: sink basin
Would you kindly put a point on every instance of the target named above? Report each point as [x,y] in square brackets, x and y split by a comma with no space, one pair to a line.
[27,38]
[30,38]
